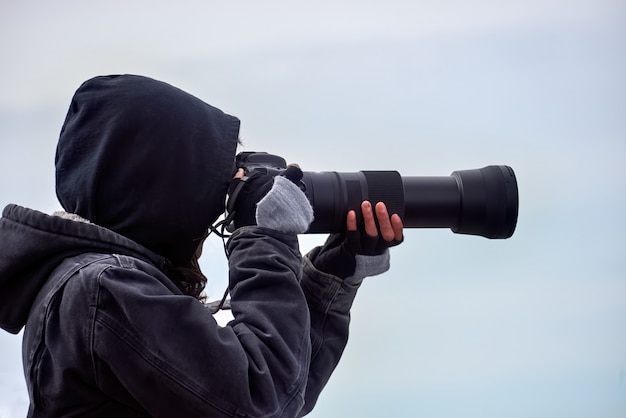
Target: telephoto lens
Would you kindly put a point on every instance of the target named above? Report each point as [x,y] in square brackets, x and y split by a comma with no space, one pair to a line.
[481,202]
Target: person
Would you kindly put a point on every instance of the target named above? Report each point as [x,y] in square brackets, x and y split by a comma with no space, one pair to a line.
[108,290]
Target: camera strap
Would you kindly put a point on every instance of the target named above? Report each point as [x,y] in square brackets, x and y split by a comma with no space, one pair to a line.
[234,191]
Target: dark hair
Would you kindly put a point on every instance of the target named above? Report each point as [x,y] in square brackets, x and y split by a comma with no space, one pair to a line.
[189,279]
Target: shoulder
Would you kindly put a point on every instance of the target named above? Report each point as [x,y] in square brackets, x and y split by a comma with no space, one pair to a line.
[75,289]
[89,275]
[110,294]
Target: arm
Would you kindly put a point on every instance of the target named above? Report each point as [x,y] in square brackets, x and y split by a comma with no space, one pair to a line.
[168,353]
[331,278]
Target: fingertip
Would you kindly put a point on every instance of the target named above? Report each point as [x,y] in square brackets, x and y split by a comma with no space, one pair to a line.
[398,226]
[351,221]
[396,220]
[369,219]
[381,210]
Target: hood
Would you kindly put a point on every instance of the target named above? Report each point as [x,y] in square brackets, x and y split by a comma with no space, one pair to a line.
[146,160]
[32,246]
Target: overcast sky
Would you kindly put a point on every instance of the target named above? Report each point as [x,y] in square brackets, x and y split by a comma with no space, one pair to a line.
[460,326]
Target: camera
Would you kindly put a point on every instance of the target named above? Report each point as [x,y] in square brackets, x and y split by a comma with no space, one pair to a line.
[481,202]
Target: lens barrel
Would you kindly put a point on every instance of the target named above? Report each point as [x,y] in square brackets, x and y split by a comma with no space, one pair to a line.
[480,202]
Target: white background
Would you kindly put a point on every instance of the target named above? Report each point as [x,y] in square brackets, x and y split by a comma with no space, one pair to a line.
[533,326]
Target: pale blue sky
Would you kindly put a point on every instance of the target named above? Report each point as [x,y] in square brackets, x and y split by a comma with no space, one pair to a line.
[460,326]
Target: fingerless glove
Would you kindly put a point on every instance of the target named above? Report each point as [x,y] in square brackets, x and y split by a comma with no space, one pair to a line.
[271,202]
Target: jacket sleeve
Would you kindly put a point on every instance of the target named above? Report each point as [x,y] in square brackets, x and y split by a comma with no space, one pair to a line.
[173,359]
[329,299]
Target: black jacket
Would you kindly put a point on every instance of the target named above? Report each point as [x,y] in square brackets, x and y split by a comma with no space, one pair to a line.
[109,334]
[107,330]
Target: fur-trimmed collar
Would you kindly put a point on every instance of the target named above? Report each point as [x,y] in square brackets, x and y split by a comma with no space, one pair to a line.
[70,216]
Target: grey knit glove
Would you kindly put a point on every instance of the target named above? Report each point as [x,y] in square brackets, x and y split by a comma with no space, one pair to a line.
[285,207]
[274,202]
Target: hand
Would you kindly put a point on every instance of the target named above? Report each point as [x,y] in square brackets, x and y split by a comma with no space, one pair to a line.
[388,228]
[274,202]
[244,193]
[378,232]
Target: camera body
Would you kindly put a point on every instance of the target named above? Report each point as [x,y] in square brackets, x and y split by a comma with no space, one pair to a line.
[260,161]
[480,202]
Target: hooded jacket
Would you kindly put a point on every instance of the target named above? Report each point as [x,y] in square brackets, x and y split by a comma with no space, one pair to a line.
[145,168]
